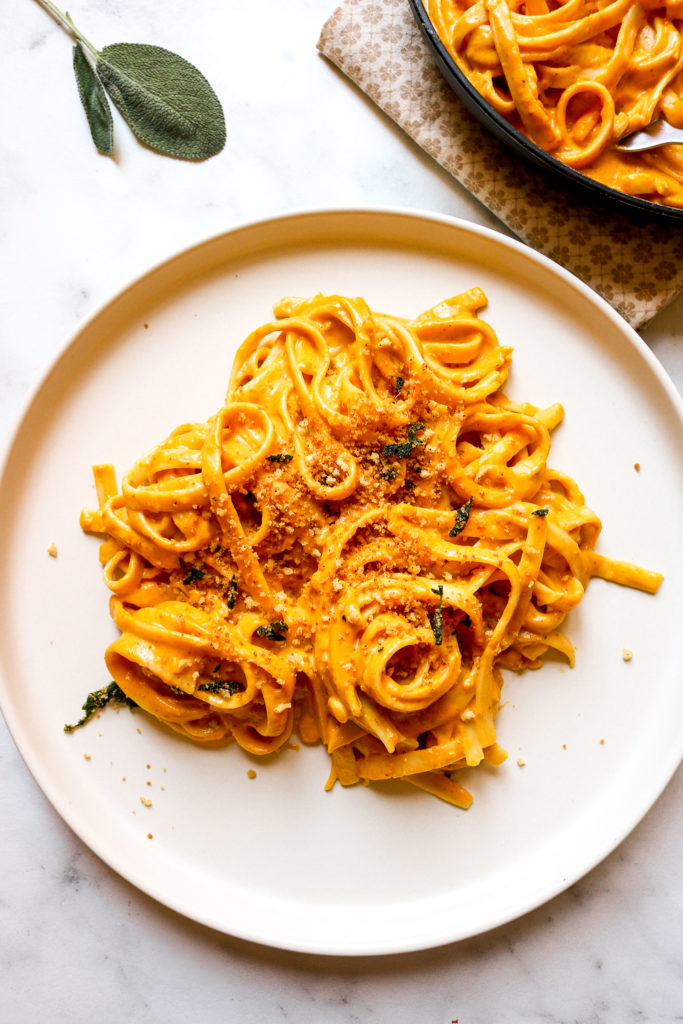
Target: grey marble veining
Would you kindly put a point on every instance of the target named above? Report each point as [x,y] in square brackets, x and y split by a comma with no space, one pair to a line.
[79,944]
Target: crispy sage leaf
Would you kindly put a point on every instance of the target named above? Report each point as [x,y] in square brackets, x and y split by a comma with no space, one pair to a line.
[167,102]
[99,699]
[462,516]
[95,102]
[437,617]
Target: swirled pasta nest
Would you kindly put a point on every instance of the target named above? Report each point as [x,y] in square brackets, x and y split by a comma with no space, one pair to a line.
[353,548]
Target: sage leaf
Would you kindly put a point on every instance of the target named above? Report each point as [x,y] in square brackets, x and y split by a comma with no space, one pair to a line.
[462,517]
[95,102]
[437,618]
[166,101]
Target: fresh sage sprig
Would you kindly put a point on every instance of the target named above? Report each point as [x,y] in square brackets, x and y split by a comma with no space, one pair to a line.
[164,99]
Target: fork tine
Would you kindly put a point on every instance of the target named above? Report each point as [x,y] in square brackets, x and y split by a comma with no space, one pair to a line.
[659,133]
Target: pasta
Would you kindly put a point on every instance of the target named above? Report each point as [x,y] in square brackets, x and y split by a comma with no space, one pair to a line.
[353,547]
[575,76]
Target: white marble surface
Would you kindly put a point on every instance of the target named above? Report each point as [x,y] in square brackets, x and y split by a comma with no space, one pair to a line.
[79,943]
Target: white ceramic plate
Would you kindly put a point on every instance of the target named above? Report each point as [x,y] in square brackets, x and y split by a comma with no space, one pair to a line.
[276,859]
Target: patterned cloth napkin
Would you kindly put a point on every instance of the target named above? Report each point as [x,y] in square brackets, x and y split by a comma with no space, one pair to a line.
[638,268]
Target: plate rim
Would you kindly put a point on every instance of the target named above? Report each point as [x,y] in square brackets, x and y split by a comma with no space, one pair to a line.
[668,765]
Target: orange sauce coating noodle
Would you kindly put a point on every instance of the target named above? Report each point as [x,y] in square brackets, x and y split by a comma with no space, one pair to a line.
[577,76]
[353,547]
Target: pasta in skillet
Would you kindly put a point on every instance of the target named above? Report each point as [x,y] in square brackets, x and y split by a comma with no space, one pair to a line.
[576,76]
[353,547]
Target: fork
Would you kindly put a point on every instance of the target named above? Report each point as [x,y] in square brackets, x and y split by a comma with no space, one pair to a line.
[659,133]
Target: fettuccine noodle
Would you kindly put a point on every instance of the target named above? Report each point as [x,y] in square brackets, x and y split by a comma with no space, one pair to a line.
[576,76]
[353,547]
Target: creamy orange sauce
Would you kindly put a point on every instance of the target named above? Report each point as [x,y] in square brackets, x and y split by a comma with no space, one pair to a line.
[352,547]
[576,77]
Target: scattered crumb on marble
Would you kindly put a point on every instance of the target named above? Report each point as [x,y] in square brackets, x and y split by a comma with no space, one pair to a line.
[87,757]
[150,836]
[149,783]
[602,743]
[626,654]
[251,773]
[52,550]
[636,466]
[521,762]
[145,801]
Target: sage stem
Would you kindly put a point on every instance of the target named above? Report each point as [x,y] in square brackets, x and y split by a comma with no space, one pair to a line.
[66,22]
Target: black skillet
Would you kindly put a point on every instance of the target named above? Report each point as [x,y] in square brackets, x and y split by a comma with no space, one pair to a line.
[601,195]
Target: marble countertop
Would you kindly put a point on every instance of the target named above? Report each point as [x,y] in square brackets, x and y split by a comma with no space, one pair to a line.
[79,943]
